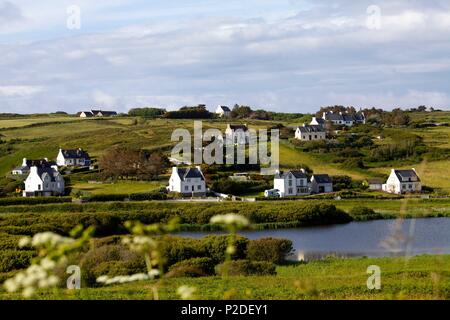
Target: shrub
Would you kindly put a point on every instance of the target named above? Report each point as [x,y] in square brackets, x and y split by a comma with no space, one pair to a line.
[215,247]
[269,249]
[364,213]
[15,259]
[246,268]
[110,260]
[195,267]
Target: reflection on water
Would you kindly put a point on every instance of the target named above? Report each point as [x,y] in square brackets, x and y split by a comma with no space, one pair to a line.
[355,239]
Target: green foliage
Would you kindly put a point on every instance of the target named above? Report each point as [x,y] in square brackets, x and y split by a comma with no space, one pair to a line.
[198,112]
[15,259]
[33,201]
[269,249]
[147,112]
[246,268]
[228,186]
[361,213]
[195,267]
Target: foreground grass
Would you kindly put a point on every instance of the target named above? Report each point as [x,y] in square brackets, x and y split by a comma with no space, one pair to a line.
[421,277]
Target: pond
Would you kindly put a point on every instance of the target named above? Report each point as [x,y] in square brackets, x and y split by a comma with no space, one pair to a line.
[372,238]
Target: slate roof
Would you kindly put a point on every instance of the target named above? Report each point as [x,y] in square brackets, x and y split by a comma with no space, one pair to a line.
[225,108]
[36,163]
[185,173]
[75,154]
[104,113]
[320,121]
[48,170]
[311,128]
[322,178]
[336,116]
[296,173]
[407,175]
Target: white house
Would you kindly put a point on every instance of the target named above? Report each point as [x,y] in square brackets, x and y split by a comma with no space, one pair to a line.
[73,157]
[85,114]
[403,181]
[321,183]
[187,181]
[342,118]
[102,113]
[310,133]
[237,133]
[26,164]
[291,183]
[44,181]
[223,111]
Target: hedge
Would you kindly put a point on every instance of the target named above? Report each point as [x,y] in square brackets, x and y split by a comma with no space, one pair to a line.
[13,201]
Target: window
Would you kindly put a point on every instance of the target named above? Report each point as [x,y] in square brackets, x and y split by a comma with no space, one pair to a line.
[199,187]
[186,188]
[290,183]
[188,180]
[39,187]
[290,191]
[410,186]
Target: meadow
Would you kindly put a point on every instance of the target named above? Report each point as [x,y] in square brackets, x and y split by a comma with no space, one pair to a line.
[420,277]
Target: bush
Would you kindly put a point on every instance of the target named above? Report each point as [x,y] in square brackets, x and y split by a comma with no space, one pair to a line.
[110,260]
[215,247]
[195,267]
[269,249]
[15,259]
[363,213]
[246,268]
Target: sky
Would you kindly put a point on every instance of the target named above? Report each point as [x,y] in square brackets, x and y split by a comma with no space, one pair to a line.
[279,55]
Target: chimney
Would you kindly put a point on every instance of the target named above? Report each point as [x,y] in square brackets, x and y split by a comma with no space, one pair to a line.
[302,170]
[24,162]
[33,169]
[324,116]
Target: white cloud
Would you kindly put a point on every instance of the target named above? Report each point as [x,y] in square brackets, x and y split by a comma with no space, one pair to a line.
[104,99]
[19,91]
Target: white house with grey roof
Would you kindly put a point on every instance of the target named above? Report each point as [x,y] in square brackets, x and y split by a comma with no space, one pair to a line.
[403,181]
[44,181]
[237,134]
[344,118]
[27,164]
[291,183]
[73,158]
[223,111]
[310,132]
[321,183]
[187,181]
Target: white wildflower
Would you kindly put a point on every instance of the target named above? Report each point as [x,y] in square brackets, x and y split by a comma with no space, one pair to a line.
[186,292]
[11,285]
[28,292]
[24,242]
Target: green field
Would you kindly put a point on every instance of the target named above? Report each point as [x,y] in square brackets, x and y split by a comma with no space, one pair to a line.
[421,277]
[123,187]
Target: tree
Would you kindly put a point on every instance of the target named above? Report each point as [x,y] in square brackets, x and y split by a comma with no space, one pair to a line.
[146,112]
[124,162]
[241,112]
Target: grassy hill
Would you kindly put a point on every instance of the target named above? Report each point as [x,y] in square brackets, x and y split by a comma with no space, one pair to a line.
[41,136]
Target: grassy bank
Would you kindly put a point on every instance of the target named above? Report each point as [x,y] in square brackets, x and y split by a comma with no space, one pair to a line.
[421,277]
[108,217]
